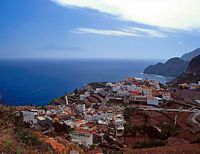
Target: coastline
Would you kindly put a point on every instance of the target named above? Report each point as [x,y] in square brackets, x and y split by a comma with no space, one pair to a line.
[38,81]
[78,88]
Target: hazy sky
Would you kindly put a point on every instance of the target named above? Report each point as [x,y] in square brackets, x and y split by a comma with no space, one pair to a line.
[136,29]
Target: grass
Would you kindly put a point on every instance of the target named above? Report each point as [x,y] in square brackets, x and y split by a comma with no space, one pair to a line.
[21,140]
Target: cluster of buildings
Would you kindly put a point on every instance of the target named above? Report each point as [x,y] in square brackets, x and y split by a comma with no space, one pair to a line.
[191,86]
[88,124]
[97,121]
[132,91]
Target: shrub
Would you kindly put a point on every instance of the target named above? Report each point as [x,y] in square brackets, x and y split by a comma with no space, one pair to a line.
[133,130]
[6,114]
[168,130]
[7,146]
[19,151]
[62,128]
[29,139]
[128,111]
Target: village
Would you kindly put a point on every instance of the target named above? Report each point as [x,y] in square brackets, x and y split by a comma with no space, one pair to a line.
[121,116]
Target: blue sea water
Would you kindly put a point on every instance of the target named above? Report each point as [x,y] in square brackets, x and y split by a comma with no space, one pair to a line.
[36,82]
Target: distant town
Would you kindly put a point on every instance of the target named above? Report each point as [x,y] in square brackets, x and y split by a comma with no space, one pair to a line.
[120,117]
[99,77]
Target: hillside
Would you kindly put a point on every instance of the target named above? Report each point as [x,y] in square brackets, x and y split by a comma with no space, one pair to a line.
[173,67]
[190,55]
[192,73]
[18,137]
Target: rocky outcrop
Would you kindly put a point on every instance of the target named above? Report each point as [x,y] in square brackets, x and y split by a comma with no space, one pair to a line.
[192,73]
[172,68]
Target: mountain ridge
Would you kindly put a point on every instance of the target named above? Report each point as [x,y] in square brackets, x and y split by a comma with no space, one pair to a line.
[174,66]
[192,73]
[189,56]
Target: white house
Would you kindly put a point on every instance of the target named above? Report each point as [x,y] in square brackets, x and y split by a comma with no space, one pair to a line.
[99,116]
[81,108]
[154,83]
[116,88]
[123,93]
[131,87]
[30,116]
[166,96]
[109,84]
[147,91]
[109,115]
[82,138]
[87,94]
[98,90]
[119,125]
[153,100]
[83,96]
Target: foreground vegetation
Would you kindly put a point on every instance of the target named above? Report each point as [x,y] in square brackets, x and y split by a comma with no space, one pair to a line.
[18,138]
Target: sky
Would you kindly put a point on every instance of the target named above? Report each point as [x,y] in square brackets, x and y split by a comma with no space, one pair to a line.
[133,29]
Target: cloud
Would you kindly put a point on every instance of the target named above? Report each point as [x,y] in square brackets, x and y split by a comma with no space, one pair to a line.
[172,14]
[180,43]
[128,31]
[104,32]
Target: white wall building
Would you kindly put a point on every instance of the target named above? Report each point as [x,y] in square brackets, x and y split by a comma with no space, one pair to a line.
[166,96]
[99,116]
[98,90]
[83,96]
[199,83]
[109,115]
[30,116]
[81,108]
[116,88]
[109,84]
[155,84]
[87,94]
[82,138]
[123,93]
[147,91]
[153,101]
[119,125]
[131,87]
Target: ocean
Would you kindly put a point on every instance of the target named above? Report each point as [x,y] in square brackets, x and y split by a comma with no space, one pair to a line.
[36,82]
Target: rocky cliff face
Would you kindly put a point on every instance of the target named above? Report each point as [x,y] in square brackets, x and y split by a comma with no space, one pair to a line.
[171,68]
[192,73]
[194,65]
